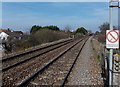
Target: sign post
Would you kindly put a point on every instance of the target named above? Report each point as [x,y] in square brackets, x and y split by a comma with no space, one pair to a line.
[111,50]
[112,40]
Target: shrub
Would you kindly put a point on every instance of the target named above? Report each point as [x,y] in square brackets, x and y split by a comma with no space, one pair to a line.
[101,37]
[46,35]
[39,37]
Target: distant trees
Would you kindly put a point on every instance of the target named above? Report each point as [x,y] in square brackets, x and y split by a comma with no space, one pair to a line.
[68,29]
[101,35]
[89,31]
[97,32]
[37,28]
[55,28]
[39,35]
[81,30]
[105,26]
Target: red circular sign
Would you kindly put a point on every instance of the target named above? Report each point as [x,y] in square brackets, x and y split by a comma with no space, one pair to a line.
[115,39]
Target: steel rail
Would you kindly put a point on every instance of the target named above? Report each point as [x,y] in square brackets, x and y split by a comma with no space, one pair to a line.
[24,53]
[18,63]
[69,71]
[26,81]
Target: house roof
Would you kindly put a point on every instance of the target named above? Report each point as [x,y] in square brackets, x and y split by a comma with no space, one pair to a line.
[3,30]
[18,32]
[12,33]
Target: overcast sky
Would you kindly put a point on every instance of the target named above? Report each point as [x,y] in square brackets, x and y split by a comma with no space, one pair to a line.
[23,15]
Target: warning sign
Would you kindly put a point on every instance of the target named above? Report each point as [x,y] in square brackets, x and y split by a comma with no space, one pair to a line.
[112,39]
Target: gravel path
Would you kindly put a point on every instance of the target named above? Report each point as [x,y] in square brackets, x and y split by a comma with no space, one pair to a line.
[86,70]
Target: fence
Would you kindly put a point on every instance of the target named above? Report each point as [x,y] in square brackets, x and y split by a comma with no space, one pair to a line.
[116,66]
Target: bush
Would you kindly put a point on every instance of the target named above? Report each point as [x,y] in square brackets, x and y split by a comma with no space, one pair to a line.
[44,36]
[39,37]
[101,37]
[81,30]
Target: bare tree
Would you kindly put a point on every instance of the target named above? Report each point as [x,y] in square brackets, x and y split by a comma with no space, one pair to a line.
[67,28]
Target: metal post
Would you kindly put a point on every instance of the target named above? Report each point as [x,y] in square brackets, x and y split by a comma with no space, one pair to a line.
[119,30]
[119,3]
[111,50]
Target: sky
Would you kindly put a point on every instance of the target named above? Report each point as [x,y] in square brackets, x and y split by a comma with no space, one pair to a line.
[23,15]
[119,18]
[0,14]
[55,0]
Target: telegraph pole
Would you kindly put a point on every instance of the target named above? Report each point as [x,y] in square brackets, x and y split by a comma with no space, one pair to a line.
[119,27]
[111,49]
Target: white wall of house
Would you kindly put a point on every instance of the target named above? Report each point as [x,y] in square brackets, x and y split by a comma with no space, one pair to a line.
[3,36]
[1,50]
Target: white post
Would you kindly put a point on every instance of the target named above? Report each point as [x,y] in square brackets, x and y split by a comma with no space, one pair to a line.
[111,50]
[119,30]
[118,3]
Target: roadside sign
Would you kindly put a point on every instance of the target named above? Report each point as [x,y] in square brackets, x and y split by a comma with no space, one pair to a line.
[112,39]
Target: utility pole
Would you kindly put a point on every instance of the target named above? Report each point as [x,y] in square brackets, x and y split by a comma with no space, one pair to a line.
[119,29]
[111,49]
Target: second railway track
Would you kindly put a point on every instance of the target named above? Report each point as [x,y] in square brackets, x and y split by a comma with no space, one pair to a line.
[25,73]
[21,58]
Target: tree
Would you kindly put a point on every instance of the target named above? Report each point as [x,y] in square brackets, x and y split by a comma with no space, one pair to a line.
[97,32]
[81,30]
[35,28]
[105,26]
[89,31]
[51,28]
[68,29]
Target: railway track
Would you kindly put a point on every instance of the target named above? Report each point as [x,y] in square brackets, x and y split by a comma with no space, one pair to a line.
[26,56]
[31,51]
[18,74]
[56,72]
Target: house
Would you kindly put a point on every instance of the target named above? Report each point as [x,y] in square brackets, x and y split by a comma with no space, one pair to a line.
[3,36]
[6,34]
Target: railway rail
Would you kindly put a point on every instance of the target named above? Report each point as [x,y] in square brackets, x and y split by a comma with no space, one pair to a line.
[31,51]
[56,71]
[23,74]
[26,56]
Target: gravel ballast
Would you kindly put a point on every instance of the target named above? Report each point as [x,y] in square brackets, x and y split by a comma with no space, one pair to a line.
[87,70]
